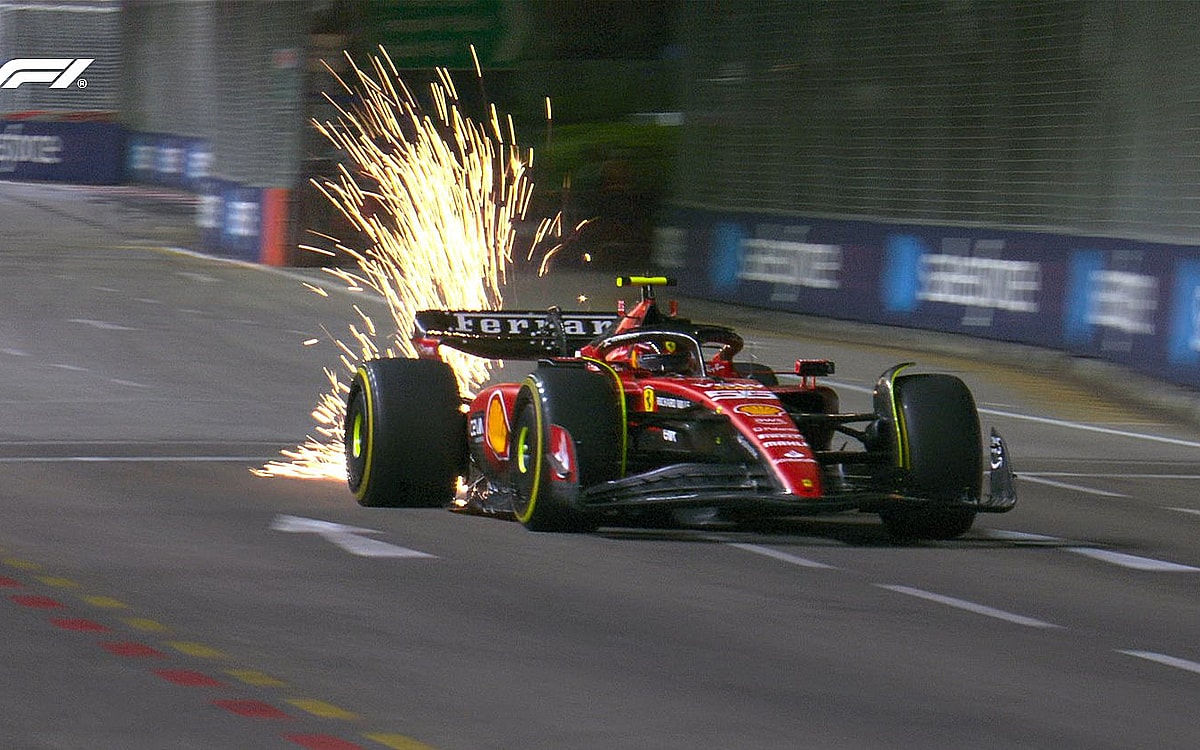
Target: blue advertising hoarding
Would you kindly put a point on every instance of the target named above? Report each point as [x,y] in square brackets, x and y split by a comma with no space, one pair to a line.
[1183,343]
[1130,302]
[169,160]
[82,153]
[230,219]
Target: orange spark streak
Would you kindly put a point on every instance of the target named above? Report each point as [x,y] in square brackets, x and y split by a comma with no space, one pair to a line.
[438,195]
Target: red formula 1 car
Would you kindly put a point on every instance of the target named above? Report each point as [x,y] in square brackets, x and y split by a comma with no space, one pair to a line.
[643,417]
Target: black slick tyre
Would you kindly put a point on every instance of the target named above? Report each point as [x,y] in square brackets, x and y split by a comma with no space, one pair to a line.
[405,434]
[585,406]
[940,446]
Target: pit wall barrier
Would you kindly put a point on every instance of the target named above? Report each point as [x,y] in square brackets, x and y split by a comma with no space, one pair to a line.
[81,153]
[1129,302]
[233,220]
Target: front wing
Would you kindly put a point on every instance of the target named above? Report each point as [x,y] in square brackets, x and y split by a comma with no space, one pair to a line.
[750,490]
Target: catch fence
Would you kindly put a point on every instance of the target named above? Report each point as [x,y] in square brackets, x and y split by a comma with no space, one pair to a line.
[1058,115]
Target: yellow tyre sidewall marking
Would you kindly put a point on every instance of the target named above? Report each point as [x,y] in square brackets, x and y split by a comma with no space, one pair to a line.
[368,454]
[903,460]
[535,489]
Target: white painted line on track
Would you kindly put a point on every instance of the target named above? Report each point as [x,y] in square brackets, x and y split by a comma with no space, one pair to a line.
[1093,428]
[103,325]
[967,606]
[321,281]
[1193,511]
[349,538]
[1122,475]
[1170,661]
[129,383]
[1132,561]
[1067,486]
[1055,422]
[196,276]
[1019,536]
[777,555]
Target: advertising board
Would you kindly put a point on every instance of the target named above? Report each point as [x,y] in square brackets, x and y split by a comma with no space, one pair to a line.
[1134,303]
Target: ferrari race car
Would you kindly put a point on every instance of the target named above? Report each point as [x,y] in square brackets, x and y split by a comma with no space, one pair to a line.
[644,418]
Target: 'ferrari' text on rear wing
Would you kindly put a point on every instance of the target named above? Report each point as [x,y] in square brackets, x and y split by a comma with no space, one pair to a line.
[511,334]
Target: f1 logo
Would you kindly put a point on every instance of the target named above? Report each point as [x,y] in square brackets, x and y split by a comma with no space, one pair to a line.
[59,72]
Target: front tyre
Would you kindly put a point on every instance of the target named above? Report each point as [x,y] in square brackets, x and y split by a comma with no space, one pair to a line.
[939,446]
[405,438]
[568,434]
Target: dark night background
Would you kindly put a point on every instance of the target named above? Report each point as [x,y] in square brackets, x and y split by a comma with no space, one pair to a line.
[610,68]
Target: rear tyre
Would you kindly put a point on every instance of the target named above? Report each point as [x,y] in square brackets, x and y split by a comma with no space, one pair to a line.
[405,434]
[941,448]
[568,434]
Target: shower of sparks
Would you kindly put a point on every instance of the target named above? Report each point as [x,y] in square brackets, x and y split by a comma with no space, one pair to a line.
[437,195]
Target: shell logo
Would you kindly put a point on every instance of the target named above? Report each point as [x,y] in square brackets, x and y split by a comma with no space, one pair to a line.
[760,410]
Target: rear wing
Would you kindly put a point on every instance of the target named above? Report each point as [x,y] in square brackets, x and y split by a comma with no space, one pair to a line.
[511,334]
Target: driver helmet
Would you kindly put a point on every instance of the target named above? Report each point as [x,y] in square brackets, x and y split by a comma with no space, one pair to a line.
[664,356]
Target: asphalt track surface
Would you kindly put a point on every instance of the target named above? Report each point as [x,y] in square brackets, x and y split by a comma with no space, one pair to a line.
[155,594]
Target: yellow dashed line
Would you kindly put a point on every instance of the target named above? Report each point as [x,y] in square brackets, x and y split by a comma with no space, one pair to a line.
[398,742]
[252,677]
[146,625]
[61,583]
[105,602]
[257,679]
[198,650]
[322,709]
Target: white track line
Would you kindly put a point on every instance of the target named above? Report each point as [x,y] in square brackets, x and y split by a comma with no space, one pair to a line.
[1019,536]
[1093,428]
[1055,422]
[1132,561]
[777,555]
[1067,486]
[967,606]
[1115,475]
[1170,661]
[103,325]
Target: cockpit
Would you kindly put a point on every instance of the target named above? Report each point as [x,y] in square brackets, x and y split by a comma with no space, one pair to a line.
[654,353]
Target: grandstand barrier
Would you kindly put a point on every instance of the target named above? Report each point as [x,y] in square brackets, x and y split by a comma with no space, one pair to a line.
[1135,303]
[234,220]
[170,161]
[86,153]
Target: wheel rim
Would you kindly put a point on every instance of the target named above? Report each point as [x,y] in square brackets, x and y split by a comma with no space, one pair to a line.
[356,441]
[522,483]
[357,436]
[523,450]
[526,479]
